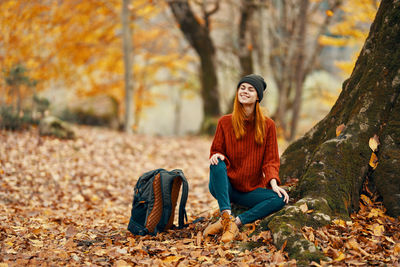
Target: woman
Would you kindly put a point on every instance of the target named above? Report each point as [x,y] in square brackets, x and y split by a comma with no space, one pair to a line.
[244,162]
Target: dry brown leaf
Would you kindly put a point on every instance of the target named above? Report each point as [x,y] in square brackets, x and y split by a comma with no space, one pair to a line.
[303,207]
[278,257]
[122,263]
[353,244]
[71,231]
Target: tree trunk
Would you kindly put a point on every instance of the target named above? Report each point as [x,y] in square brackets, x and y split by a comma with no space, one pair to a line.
[245,43]
[331,169]
[245,46]
[128,63]
[199,38]
[299,67]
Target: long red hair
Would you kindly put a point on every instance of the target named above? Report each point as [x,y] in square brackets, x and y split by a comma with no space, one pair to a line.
[238,117]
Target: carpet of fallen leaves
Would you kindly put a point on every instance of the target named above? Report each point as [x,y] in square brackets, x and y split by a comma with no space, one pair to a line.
[67,202]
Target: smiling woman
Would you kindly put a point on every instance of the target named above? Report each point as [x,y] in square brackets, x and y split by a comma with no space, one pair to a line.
[245,162]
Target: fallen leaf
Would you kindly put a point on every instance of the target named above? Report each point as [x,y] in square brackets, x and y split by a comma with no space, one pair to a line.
[339,222]
[121,263]
[373,161]
[375,213]
[366,199]
[340,257]
[171,259]
[339,129]
[378,229]
[303,207]
[374,143]
[71,231]
[396,249]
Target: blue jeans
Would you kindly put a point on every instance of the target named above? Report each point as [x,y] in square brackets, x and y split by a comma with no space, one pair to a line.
[261,201]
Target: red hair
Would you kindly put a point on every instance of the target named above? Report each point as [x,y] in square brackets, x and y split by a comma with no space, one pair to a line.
[238,117]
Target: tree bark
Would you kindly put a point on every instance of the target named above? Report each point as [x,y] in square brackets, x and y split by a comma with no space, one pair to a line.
[299,67]
[198,36]
[331,169]
[128,63]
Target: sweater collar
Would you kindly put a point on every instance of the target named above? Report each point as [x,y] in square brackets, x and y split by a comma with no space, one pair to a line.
[249,119]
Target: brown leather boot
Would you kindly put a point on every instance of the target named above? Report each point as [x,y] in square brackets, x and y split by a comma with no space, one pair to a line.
[230,229]
[213,229]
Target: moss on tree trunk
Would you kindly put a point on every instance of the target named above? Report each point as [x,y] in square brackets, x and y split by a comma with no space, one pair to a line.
[331,169]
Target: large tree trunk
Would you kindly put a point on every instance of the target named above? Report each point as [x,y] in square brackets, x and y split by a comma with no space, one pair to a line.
[331,169]
[128,63]
[198,36]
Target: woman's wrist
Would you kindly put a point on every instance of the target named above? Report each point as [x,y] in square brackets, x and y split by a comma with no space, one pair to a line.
[273,183]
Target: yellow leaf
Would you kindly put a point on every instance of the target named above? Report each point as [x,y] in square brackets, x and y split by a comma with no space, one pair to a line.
[339,222]
[396,249]
[375,213]
[340,257]
[170,259]
[373,161]
[303,207]
[378,229]
[339,129]
[329,13]
[374,143]
[366,199]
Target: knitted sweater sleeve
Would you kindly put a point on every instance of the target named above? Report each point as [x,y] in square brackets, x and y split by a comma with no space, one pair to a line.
[271,157]
[218,145]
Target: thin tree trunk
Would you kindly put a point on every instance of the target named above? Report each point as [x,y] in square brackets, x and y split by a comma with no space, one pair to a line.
[128,63]
[299,68]
[245,46]
[245,43]
[18,91]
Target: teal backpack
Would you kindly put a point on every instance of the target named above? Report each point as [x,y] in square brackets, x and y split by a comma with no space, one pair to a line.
[154,200]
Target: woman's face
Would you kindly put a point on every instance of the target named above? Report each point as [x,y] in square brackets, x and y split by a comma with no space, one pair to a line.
[247,94]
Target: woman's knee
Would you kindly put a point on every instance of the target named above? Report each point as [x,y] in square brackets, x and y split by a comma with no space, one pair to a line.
[279,202]
[221,166]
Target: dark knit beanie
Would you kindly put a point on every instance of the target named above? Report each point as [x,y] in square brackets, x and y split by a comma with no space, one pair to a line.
[257,82]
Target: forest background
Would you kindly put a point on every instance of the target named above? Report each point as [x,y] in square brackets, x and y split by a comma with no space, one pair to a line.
[75,60]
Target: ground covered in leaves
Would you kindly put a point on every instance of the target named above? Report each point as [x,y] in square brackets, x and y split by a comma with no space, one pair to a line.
[67,202]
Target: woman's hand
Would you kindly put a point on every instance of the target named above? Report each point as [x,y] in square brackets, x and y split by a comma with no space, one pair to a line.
[279,190]
[214,158]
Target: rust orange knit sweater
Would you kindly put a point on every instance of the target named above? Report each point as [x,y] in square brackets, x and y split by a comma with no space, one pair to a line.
[247,161]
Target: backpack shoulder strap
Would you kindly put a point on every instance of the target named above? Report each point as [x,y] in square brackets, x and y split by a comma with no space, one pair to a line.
[184,196]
